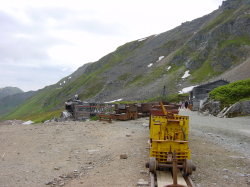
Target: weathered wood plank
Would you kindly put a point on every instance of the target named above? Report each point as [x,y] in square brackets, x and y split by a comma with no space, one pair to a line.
[164,178]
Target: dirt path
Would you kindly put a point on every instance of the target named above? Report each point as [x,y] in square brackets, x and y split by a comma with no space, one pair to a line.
[87,154]
[74,153]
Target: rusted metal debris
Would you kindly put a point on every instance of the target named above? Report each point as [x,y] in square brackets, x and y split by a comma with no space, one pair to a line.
[78,110]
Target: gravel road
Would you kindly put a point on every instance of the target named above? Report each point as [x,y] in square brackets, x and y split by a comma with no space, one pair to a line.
[220,150]
[232,133]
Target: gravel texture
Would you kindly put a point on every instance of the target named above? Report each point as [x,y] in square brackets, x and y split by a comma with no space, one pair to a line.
[88,153]
[220,150]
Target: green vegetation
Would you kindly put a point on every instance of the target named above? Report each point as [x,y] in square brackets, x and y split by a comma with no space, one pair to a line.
[92,89]
[156,73]
[153,75]
[182,52]
[204,72]
[173,98]
[124,76]
[94,118]
[172,44]
[244,40]
[222,18]
[136,80]
[42,117]
[232,93]
[176,98]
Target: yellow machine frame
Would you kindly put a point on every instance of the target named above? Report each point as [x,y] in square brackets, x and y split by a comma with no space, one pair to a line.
[168,134]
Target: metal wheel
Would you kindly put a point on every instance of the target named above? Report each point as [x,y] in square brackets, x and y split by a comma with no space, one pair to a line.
[152,164]
[189,167]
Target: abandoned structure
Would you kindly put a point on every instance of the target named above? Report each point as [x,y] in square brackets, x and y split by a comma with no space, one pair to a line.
[199,93]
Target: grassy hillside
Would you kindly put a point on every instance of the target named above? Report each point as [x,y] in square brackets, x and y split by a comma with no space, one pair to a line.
[52,98]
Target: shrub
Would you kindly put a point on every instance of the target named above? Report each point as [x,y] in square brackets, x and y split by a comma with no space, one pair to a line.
[232,93]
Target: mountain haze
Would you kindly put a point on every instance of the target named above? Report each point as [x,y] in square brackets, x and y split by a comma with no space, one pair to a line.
[7,91]
[10,102]
[204,49]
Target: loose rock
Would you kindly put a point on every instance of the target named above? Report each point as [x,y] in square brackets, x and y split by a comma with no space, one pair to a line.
[123,156]
[142,182]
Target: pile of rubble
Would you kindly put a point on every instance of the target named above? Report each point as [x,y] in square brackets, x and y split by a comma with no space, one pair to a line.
[11,122]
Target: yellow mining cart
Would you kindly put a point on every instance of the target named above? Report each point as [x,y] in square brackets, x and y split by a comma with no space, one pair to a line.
[169,134]
[169,149]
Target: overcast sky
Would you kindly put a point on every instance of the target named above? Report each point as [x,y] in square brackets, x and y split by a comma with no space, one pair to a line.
[42,41]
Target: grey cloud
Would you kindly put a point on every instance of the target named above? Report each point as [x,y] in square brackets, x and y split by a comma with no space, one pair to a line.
[41,15]
[18,49]
[24,61]
[27,78]
[94,26]
[9,23]
[71,21]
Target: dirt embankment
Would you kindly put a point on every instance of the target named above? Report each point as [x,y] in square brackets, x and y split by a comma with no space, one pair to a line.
[88,153]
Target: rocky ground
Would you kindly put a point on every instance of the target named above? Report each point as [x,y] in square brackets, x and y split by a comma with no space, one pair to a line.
[113,154]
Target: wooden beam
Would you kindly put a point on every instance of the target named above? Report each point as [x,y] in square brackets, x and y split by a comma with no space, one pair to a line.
[164,178]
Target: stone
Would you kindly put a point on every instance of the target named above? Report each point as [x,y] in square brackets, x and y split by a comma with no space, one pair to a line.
[70,176]
[225,170]
[210,107]
[143,172]
[123,156]
[92,151]
[128,135]
[142,182]
[61,183]
[241,108]
[225,177]
[56,168]
[63,176]
[48,183]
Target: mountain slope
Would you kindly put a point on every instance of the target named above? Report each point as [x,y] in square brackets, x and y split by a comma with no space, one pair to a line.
[10,102]
[201,50]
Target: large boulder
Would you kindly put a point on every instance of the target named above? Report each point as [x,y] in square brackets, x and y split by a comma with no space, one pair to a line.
[241,108]
[212,106]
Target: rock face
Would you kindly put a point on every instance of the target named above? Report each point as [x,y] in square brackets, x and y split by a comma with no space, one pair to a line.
[238,109]
[213,107]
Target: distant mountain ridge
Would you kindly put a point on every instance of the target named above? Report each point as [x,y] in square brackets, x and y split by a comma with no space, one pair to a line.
[203,49]
[10,102]
[6,91]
